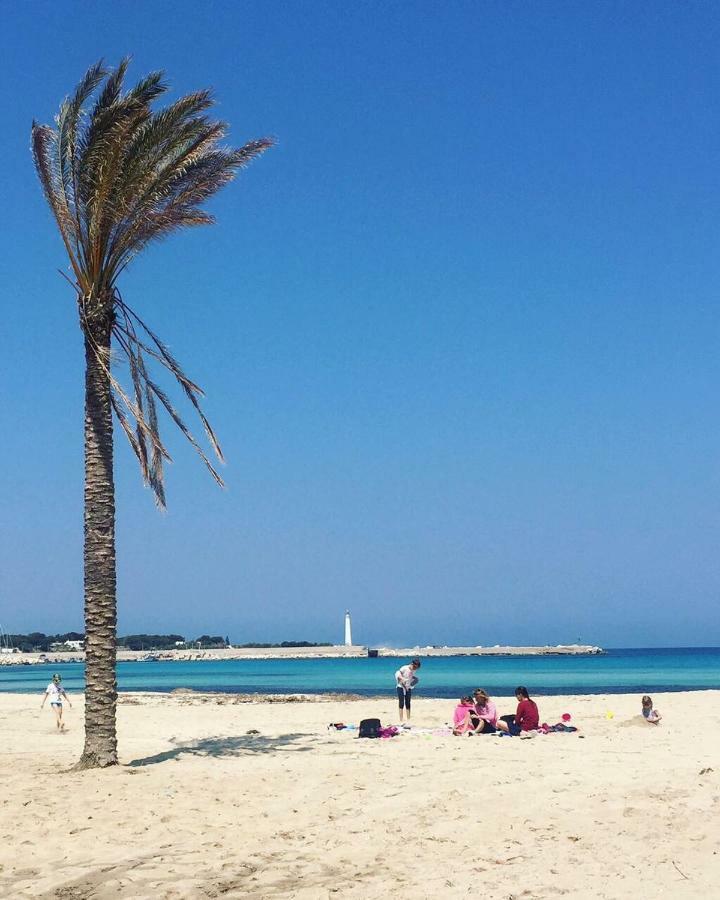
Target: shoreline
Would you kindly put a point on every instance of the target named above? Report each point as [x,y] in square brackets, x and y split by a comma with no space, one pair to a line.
[330,652]
[232,696]
[183,696]
[323,696]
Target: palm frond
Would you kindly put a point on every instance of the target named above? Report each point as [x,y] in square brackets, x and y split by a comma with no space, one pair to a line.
[191,390]
[102,356]
[149,88]
[163,398]
[44,146]
[134,348]
[110,94]
[118,175]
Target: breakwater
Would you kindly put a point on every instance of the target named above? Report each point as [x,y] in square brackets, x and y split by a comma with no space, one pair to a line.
[331,652]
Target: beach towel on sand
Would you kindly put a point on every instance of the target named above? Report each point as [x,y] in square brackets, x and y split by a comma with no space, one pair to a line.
[389,731]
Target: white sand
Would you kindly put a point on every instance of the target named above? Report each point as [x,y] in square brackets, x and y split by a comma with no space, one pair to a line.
[200,809]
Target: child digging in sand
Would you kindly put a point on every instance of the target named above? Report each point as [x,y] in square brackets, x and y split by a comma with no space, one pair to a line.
[651,715]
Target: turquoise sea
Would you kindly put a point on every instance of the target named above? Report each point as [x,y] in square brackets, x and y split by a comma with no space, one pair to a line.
[617,671]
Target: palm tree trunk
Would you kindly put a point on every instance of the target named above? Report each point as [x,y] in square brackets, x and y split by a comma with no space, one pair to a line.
[99,558]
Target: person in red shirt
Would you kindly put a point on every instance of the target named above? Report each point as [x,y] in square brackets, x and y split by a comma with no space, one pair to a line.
[526,717]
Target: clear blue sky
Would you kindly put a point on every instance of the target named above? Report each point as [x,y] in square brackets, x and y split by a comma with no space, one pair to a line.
[459,331]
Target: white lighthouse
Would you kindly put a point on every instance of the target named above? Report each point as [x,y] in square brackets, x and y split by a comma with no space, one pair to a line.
[348,629]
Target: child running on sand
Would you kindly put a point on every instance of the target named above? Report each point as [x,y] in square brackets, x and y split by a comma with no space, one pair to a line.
[651,715]
[56,692]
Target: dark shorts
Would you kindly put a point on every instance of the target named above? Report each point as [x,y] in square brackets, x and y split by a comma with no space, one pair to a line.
[487,728]
[513,727]
[404,698]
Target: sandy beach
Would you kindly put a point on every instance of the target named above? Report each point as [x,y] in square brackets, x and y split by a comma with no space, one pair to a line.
[204,807]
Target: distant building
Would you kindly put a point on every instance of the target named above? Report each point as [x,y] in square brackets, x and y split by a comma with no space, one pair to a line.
[348,629]
[67,646]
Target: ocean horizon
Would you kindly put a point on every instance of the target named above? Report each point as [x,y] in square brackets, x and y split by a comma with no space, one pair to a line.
[623,670]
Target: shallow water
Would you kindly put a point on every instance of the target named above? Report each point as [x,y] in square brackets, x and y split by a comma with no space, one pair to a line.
[617,671]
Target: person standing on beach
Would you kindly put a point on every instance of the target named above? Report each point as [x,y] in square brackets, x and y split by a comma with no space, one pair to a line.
[406,679]
[56,692]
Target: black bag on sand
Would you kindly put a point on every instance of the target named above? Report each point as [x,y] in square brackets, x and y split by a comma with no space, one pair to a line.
[369,728]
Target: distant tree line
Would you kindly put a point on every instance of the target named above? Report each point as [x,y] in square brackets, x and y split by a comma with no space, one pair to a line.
[150,641]
[37,642]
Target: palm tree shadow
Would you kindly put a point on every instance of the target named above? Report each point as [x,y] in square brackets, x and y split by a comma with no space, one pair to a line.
[224,747]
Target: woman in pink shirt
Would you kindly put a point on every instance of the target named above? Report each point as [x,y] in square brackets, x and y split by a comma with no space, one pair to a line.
[486,711]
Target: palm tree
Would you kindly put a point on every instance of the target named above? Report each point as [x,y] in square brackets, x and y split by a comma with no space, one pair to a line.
[117,175]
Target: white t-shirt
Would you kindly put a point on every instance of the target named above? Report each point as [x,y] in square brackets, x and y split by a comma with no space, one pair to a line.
[406,677]
[55,692]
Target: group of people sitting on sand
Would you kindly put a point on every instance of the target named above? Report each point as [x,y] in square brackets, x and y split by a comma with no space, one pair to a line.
[477,714]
